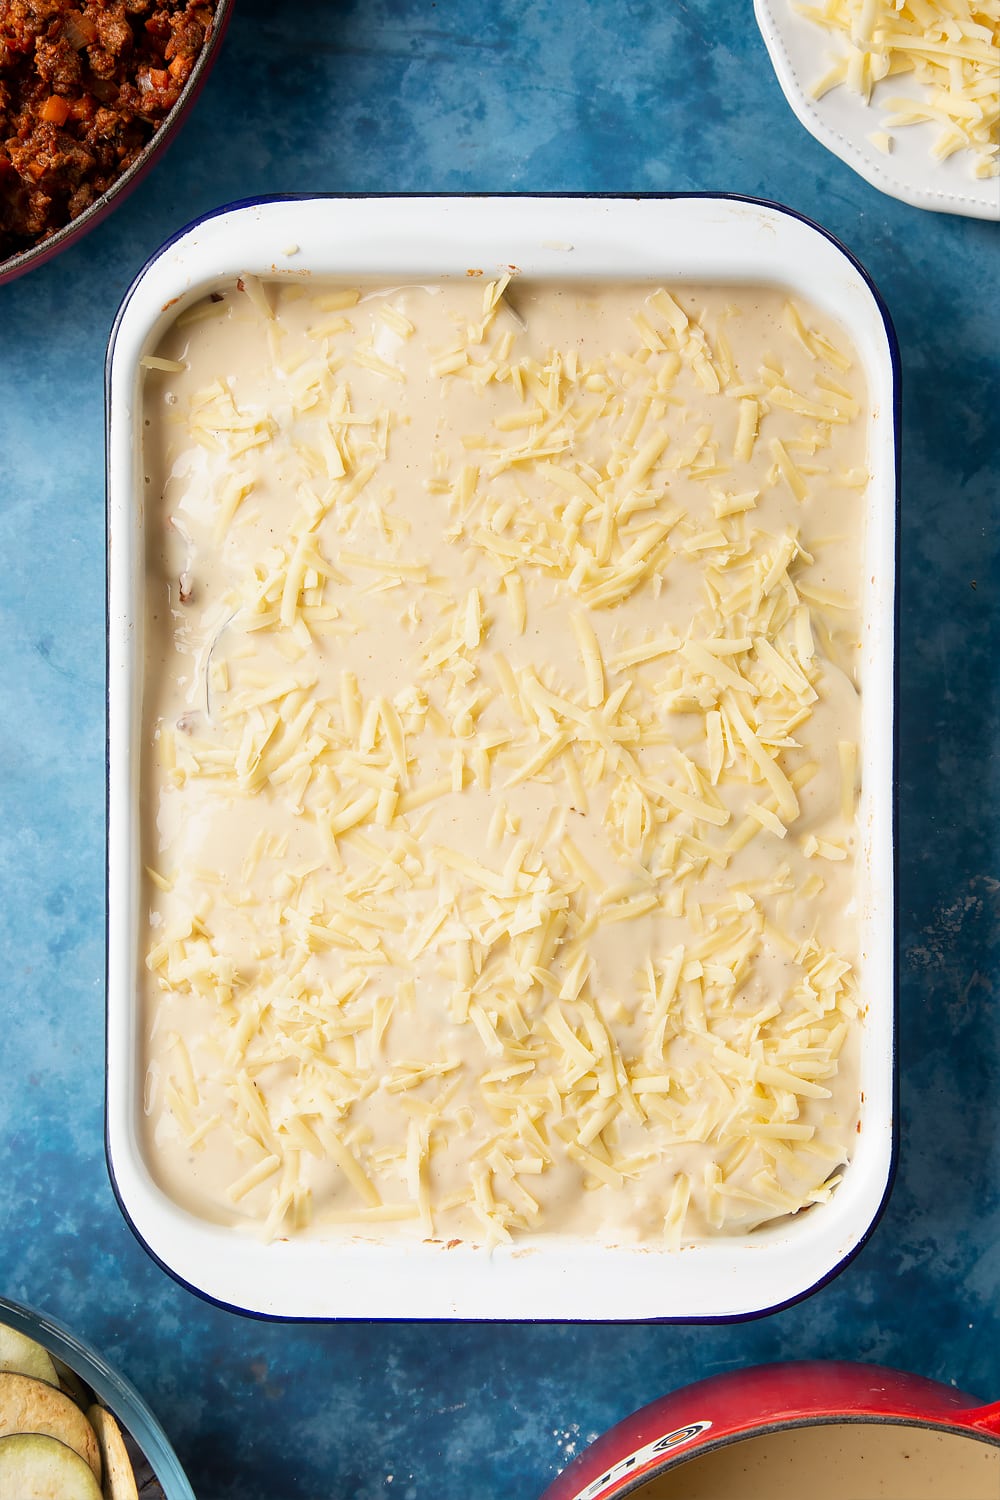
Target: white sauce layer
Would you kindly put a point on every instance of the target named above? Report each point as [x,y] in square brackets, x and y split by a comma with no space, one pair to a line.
[500,744]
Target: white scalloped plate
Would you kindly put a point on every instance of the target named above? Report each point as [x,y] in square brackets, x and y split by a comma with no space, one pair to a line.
[800,52]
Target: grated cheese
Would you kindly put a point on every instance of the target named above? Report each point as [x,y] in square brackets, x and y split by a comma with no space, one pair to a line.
[502,775]
[947,50]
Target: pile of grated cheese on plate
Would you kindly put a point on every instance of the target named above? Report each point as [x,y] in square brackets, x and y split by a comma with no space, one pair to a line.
[947,52]
[500,759]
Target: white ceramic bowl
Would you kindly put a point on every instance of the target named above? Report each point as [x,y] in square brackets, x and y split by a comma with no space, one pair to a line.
[711,238]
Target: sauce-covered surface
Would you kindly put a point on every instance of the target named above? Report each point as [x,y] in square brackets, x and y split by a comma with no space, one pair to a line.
[501,736]
[839,1461]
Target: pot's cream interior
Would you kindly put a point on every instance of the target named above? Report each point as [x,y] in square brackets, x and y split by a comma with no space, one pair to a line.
[839,1461]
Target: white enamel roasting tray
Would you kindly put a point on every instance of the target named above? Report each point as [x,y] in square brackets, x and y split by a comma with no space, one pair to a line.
[703,238]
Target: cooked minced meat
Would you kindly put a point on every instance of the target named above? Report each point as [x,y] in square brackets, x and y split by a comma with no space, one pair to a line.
[82,89]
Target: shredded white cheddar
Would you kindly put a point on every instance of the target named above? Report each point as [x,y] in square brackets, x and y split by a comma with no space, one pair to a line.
[934,62]
[501,759]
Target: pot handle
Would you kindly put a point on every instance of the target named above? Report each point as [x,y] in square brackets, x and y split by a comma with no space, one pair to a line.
[986,1417]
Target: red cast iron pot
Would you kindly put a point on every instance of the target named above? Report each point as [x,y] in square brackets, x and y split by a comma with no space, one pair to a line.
[752,1402]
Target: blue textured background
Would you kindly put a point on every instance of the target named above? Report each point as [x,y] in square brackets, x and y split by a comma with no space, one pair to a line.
[401,95]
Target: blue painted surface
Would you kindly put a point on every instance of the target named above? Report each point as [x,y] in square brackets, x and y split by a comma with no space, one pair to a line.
[401,95]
